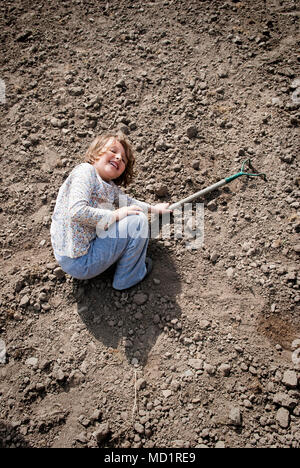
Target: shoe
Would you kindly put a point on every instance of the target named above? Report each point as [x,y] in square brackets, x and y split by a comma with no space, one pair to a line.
[149,265]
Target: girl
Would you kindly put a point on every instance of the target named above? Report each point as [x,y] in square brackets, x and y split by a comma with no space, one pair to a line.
[88,234]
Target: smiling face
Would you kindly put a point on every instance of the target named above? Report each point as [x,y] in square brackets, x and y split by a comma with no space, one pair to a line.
[112,161]
[108,153]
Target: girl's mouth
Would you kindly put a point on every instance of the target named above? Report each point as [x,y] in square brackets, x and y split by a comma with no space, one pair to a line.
[114,164]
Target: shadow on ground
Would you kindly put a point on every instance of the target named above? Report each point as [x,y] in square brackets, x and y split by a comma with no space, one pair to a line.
[122,319]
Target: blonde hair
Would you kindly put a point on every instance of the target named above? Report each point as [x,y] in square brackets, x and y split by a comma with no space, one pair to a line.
[97,149]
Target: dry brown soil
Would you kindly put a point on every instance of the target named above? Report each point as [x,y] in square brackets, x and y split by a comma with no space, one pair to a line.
[203,353]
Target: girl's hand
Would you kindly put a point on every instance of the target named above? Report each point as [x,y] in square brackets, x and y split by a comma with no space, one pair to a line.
[126,211]
[161,208]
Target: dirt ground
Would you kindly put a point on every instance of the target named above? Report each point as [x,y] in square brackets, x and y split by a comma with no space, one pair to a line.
[206,351]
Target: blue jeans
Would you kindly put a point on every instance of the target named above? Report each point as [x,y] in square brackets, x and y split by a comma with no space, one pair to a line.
[124,243]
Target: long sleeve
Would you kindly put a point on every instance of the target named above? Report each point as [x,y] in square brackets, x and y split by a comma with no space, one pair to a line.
[80,195]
